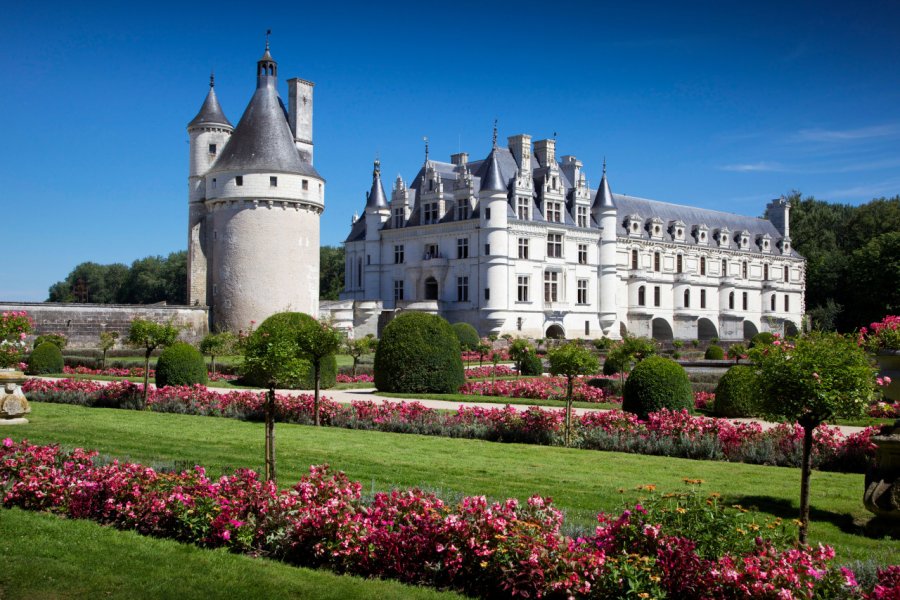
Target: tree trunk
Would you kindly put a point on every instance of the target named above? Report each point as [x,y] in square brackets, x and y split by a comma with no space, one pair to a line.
[212,366]
[808,428]
[316,371]
[103,361]
[568,412]
[146,373]
[355,361]
[270,434]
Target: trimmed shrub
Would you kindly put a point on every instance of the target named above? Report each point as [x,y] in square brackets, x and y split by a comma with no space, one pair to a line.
[58,339]
[764,338]
[467,336]
[180,364]
[656,383]
[714,353]
[46,358]
[613,365]
[532,364]
[280,326]
[418,352]
[736,393]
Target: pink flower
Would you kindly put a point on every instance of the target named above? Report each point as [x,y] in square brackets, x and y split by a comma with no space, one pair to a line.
[7,442]
[226,535]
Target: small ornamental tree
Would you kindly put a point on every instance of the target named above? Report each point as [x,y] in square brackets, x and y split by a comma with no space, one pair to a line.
[630,349]
[483,349]
[317,341]
[571,361]
[273,355]
[359,347]
[217,344]
[814,379]
[519,350]
[150,336]
[108,340]
[468,337]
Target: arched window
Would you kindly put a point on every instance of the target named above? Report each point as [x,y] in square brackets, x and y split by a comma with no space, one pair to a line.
[678,264]
[703,265]
[656,261]
[731,300]
[642,296]
[687,298]
[634,259]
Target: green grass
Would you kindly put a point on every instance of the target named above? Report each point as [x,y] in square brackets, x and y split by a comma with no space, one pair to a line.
[45,556]
[581,482]
[457,398]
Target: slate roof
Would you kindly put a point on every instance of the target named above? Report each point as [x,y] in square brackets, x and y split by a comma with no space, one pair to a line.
[376,197]
[210,113]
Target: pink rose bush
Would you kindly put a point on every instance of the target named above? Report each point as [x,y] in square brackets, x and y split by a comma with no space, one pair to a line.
[534,388]
[883,335]
[133,372]
[478,547]
[490,371]
[666,433]
[361,378]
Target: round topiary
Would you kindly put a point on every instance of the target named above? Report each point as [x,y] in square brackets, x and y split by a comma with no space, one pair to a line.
[180,364]
[532,364]
[612,365]
[656,383]
[764,338]
[467,336]
[714,353]
[284,326]
[418,352]
[46,358]
[736,393]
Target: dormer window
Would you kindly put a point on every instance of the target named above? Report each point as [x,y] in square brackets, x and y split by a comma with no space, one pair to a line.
[655,227]
[212,149]
[700,233]
[634,227]
[677,230]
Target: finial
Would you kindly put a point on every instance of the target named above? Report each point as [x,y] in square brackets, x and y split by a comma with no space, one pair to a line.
[377,170]
[604,165]
[494,141]
[268,33]
[425,138]
[212,79]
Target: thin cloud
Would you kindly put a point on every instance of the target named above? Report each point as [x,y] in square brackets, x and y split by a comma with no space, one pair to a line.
[865,192]
[757,167]
[847,135]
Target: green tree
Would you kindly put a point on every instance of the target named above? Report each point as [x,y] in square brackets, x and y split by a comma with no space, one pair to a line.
[217,344]
[876,283]
[816,378]
[148,280]
[359,347]
[108,340]
[571,361]
[150,336]
[519,350]
[331,272]
[630,349]
[318,340]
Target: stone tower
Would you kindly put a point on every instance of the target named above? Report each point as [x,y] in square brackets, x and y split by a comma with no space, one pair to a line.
[604,212]
[255,202]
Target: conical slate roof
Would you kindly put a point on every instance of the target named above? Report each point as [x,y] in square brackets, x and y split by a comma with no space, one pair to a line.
[491,181]
[604,198]
[376,198]
[210,113]
[262,140]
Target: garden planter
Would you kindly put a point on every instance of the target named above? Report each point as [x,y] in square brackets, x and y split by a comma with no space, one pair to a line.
[882,495]
[13,405]
[889,366]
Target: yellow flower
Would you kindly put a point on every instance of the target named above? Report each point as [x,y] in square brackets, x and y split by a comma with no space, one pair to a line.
[680,510]
[643,595]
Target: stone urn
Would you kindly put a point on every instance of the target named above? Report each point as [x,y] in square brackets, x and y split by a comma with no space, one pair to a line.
[882,495]
[889,365]
[13,405]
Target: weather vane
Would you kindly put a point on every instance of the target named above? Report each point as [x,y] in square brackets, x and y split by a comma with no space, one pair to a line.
[494,143]
[425,138]
[268,33]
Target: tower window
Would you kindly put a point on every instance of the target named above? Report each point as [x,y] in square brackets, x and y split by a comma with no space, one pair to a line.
[744,300]
[212,149]
[744,270]
[702,298]
[634,259]
[787,303]
[487,293]
[687,298]
[724,268]
[772,303]
[304,184]
[582,254]
[642,296]
[239,180]
[731,301]
[214,183]
[487,214]
[487,249]
[678,264]
[787,274]
[703,265]
[273,181]
[765,272]
[657,295]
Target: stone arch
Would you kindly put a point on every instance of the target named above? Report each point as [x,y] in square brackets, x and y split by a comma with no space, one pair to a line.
[750,330]
[706,330]
[556,332]
[790,329]
[661,330]
[431,289]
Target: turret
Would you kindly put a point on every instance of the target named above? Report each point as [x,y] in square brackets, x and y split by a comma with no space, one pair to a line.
[604,212]
[494,203]
[377,212]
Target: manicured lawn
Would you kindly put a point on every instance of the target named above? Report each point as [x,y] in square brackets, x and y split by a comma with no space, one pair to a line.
[581,482]
[457,398]
[45,556]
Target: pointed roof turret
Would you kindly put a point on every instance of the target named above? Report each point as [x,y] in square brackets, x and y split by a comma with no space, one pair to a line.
[492,181]
[376,198]
[211,113]
[604,198]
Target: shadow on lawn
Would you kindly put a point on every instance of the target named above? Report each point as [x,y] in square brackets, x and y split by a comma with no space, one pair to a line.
[787,510]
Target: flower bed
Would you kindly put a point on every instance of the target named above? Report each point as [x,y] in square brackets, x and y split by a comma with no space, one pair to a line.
[535,388]
[665,433]
[134,372]
[361,378]
[472,356]
[475,546]
[491,371]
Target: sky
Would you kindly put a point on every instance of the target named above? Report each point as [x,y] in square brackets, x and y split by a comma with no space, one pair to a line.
[718,104]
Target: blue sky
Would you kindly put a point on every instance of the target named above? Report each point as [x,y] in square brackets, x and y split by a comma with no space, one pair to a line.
[716,104]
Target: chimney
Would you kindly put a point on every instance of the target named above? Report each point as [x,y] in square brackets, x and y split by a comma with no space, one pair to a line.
[459,159]
[545,152]
[520,146]
[300,115]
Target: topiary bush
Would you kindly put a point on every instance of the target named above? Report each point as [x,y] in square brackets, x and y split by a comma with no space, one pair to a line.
[284,327]
[58,339]
[737,393]
[714,353]
[46,358]
[418,352]
[656,383]
[467,336]
[532,364]
[763,338]
[180,364]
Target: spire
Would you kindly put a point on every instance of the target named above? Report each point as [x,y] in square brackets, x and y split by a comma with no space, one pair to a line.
[604,199]
[425,139]
[494,142]
[376,199]
[491,181]
[266,67]
[211,113]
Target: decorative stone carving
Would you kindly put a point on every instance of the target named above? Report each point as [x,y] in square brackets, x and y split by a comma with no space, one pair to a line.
[882,495]
[13,405]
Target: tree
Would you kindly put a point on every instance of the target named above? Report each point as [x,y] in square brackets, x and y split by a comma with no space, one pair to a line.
[331,272]
[519,350]
[217,344]
[108,340]
[150,336]
[359,347]
[816,378]
[630,349]
[318,340]
[571,361]
[148,280]
[876,281]
[271,352]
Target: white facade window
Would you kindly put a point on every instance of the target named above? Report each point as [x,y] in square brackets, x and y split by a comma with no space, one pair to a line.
[634,259]
[398,254]
[554,212]
[679,264]
[273,181]
[724,268]
[523,281]
[212,149]
[398,217]
[787,274]
[731,301]
[765,272]
[582,254]
[582,216]
[398,290]
[702,298]
[523,248]
[430,213]
[642,296]
[657,261]
[582,291]
[744,270]
[462,289]
[462,209]
[551,286]
[462,248]
[687,298]
[523,208]
[239,180]
[703,265]
[787,303]
[554,245]
[744,300]
[432,251]
[304,184]
[657,295]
